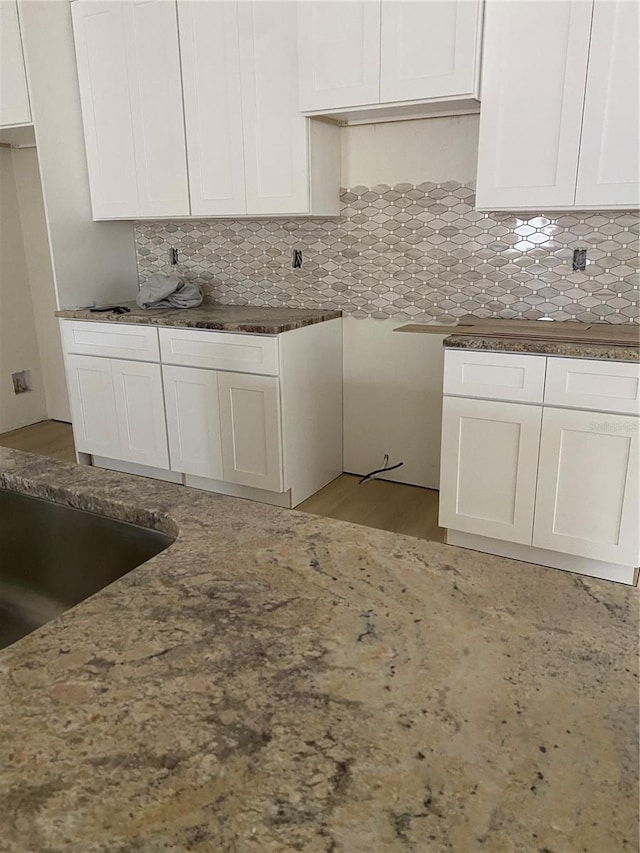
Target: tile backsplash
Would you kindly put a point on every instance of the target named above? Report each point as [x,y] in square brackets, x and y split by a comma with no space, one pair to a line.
[411,252]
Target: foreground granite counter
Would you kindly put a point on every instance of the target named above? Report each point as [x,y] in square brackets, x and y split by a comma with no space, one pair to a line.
[225,318]
[278,682]
[571,349]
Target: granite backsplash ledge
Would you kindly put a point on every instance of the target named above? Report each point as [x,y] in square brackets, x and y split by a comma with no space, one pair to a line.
[411,252]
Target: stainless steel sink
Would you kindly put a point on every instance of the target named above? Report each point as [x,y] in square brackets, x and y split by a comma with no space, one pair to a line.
[53,556]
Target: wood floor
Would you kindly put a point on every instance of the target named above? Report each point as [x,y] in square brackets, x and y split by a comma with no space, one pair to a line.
[48,438]
[376,503]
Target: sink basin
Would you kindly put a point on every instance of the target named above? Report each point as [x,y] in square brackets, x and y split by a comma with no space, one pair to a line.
[53,556]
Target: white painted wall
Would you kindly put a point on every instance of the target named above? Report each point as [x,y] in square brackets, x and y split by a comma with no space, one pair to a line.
[41,283]
[435,149]
[393,380]
[18,342]
[93,262]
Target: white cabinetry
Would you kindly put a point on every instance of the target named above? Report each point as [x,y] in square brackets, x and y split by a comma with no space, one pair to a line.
[190,109]
[388,54]
[587,494]
[560,105]
[117,409]
[251,430]
[14,95]
[553,480]
[494,443]
[429,50]
[339,54]
[257,416]
[130,90]
[609,170]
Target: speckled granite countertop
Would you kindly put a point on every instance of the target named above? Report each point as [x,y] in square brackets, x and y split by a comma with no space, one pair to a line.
[613,341]
[225,318]
[279,682]
[564,348]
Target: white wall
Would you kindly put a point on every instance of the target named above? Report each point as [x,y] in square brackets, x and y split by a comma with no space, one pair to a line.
[93,262]
[393,380]
[18,342]
[41,283]
[435,149]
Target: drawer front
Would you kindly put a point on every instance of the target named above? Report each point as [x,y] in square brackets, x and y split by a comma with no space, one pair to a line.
[605,386]
[133,342]
[220,351]
[494,375]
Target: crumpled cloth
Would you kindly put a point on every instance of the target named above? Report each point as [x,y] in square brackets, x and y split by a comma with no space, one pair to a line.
[168,291]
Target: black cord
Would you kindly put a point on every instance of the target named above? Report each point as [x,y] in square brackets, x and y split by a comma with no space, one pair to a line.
[385,467]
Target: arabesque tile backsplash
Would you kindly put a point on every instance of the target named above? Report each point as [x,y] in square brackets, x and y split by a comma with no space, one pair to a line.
[411,252]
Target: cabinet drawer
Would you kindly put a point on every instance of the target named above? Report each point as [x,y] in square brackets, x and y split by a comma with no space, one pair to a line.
[494,375]
[606,386]
[136,343]
[220,351]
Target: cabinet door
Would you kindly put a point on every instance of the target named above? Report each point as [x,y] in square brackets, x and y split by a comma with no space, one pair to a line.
[130,89]
[587,495]
[533,80]
[429,50]
[93,409]
[153,59]
[609,171]
[488,468]
[251,431]
[193,421]
[275,134]
[140,413]
[339,45]
[14,95]
[101,54]
[212,103]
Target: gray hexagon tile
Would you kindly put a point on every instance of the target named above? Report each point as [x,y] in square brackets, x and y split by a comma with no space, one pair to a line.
[411,252]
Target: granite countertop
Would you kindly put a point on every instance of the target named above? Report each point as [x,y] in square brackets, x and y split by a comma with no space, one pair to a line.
[276,681]
[572,349]
[616,342]
[225,318]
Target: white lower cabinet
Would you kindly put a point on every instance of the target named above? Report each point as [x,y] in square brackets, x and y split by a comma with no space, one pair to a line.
[117,409]
[587,492]
[251,430]
[255,416]
[553,482]
[489,459]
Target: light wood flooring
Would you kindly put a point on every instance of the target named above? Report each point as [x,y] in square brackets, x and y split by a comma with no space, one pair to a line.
[375,503]
[47,438]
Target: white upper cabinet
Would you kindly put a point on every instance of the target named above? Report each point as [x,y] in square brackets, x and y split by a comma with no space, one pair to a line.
[275,134]
[388,54]
[14,95]
[190,108]
[559,122]
[609,171]
[429,50]
[339,53]
[130,89]
[533,77]
[213,110]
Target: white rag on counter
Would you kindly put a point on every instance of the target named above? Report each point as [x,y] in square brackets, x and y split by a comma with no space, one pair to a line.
[168,291]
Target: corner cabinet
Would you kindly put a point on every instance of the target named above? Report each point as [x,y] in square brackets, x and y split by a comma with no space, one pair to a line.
[389,53]
[552,480]
[563,133]
[14,94]
[256,416]
[190,109]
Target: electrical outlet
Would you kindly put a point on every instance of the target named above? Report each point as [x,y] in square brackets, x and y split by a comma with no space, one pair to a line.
[579,260]
[296,260]
[173,257]
[21,381]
